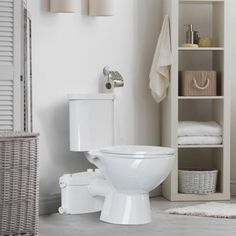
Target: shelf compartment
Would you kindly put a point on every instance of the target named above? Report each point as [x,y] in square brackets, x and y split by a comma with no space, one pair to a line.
[205,60]
[210,24]
[207,158]
[202,110]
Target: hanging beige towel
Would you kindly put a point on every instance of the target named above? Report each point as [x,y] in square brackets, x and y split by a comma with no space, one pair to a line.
[160,71]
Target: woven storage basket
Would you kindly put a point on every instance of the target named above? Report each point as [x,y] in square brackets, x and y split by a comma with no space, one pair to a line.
[18,183]
[197,182]
[197,83]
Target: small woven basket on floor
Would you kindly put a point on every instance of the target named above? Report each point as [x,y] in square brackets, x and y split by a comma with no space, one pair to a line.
[18,183]
[197,182]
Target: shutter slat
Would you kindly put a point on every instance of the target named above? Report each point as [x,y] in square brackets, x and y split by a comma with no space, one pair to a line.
[5,89]
[6,39]
[6,44]
[6,118]
[6,4]
[5,98]
[5,127]
[6,93]
[6,34]
[6,24]
[6,108]
[6,8]
[6,29]
[6,19]
[6,49]
[6,13]
[5,83]
[4,60]
[5,113]
[5,122]
[6,53]
[6,103]
[6,56]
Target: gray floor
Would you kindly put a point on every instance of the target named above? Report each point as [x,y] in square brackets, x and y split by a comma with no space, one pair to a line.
[162,224]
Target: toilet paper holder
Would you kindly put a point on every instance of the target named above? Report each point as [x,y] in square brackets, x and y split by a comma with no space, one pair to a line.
[113,78]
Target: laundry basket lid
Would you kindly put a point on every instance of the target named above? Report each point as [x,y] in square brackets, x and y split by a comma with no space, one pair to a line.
[17,134]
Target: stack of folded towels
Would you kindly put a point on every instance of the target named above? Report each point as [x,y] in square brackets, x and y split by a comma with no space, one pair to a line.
[199,133]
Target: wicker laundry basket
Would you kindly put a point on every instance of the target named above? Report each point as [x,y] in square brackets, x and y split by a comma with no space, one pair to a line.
[197,182]
[198,83]
[18,183]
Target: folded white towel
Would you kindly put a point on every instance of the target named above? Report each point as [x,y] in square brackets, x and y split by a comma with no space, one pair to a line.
[160,71]
[192,128]
[200,140]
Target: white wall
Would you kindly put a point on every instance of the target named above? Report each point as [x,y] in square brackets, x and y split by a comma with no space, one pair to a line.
[69,52]
[233,138]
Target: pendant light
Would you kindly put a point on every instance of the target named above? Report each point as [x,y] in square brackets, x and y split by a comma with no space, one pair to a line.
[64,6]
[101,7]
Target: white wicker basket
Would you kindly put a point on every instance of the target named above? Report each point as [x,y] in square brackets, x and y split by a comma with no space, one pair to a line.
[197,182]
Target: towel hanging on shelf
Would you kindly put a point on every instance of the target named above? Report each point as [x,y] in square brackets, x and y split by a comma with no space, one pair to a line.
[160,71]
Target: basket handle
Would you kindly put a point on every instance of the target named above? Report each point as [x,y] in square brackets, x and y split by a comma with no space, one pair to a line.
[201,87]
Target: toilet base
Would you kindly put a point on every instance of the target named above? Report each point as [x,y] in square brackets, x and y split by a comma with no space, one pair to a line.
[124,209]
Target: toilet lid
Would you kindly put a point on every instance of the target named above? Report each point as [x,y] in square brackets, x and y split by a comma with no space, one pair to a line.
[139,150]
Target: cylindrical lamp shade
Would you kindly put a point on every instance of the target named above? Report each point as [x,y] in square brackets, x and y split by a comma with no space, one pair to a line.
[101,7]
[64,6]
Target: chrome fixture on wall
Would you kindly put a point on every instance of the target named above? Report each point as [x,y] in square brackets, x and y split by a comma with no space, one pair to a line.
[112,78]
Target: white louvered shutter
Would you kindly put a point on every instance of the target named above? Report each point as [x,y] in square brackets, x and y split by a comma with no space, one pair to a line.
[10,85]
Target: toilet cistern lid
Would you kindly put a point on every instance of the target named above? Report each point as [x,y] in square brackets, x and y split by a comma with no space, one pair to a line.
[139,150]
[92,96]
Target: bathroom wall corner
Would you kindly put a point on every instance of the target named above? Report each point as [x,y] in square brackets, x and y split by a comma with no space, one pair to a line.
[50,204]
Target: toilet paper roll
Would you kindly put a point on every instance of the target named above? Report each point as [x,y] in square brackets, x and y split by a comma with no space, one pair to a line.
[118,92]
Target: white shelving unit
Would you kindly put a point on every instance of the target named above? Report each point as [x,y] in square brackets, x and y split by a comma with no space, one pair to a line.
[210,18]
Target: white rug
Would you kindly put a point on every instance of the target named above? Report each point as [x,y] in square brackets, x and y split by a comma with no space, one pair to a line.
[212,209]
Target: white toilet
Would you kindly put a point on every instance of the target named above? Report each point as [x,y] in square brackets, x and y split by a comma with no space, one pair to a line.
[131,172]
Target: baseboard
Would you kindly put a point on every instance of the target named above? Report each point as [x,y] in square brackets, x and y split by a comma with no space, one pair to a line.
[49,205]
[233,187]
[156,192]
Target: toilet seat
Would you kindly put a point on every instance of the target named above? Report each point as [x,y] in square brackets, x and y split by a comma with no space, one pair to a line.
[134,151]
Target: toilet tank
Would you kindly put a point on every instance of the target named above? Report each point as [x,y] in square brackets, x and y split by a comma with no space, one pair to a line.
[91,121]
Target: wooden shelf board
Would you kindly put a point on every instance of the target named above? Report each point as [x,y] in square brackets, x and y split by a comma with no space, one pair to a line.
[198,197]
[202,49]
[200,97]
[200,146]
[200,1]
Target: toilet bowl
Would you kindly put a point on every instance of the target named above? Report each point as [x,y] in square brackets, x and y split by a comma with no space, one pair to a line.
[131,173]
